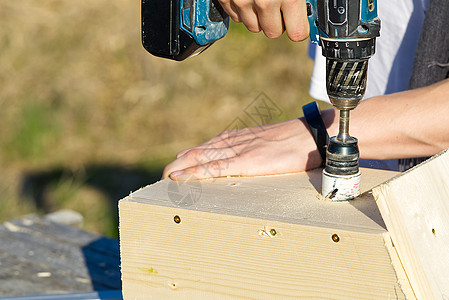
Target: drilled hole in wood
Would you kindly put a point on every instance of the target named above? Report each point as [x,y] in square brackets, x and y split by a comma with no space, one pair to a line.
[434,232]
[171,284]
[177,219]
[335,238]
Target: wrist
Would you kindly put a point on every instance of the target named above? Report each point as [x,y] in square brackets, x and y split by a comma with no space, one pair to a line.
[308,147]
[317,128]
[330,121]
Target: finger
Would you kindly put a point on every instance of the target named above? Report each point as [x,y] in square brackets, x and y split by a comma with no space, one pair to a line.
[166,172]
[249,163]
[236,136]
[247,14]
[270,18]
[230,9]
[235,14]
[195,157]
[295,19]
[213,169]
[206,146]
[182,152]
[226,139]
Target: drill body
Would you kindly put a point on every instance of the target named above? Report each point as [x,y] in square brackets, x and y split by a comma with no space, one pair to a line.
[346,31]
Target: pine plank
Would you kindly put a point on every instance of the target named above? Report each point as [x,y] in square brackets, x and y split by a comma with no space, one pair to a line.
[415,207]
[224,246]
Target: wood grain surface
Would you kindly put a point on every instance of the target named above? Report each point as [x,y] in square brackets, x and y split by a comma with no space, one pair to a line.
[254,238]
[415,207]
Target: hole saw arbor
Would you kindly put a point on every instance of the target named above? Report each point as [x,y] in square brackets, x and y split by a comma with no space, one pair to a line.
[272,238]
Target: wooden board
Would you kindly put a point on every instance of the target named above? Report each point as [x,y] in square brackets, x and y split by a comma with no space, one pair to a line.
[38,256]
[260,238]
[415,207]
[96,295]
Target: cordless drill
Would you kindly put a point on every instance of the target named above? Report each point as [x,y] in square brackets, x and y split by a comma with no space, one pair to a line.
[346,31]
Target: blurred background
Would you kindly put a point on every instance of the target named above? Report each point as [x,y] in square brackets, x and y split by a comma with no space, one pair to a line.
[87,115]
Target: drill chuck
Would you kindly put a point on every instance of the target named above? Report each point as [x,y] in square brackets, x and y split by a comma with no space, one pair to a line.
[346,82]
[348,48]
[346,70]
[342,156]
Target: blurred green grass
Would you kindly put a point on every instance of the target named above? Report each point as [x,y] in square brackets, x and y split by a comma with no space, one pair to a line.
[87,113]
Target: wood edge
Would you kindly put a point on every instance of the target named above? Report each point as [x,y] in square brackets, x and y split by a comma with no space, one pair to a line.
[401,275]
[375,225]
[411,264]
[271,218]
[131,193]
[239,218]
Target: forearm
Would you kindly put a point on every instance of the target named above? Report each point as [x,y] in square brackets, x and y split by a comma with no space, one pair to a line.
[407,124]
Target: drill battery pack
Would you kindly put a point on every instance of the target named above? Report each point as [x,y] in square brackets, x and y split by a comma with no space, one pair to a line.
[177,29]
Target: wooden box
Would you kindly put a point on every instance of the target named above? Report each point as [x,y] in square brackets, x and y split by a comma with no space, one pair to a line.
[268,237]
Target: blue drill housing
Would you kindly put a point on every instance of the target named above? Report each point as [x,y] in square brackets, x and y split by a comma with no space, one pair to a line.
[367,16]
[196,21]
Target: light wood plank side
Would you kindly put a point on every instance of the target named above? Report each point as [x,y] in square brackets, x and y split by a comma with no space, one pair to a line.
[224,248]
[403,280]
[415,208]
[208,256]
[292,198]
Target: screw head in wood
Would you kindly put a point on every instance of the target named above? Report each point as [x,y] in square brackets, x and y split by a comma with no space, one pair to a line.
[177,219]
[273,231]
[335,238]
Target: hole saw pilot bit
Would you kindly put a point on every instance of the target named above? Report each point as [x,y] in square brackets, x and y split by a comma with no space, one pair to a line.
[346,31]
